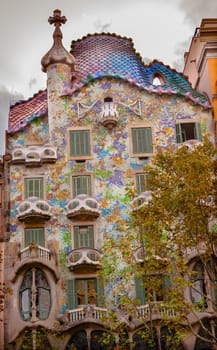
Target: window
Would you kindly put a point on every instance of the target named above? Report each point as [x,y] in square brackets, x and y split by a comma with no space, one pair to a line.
[188,131]
[34,187]
[145,293]
[83,236]
[141,141]
[35,297]
[34,235]
[158,80]
[141,182]
[198,289]
[81,184]
[80,146]
[85,291]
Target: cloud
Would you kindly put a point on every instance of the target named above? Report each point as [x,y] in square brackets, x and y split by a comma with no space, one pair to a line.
[101,27]
[32,82]
[7,98]
[195,10]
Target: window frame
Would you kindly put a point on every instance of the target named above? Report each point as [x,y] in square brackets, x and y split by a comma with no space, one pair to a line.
[137,174]
[197,130]
[80,157]
[34,228]
[141,154]
[26,178]
[27,314]
[79,225]
[80,175]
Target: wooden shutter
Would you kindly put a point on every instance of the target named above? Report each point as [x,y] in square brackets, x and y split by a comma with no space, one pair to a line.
[79,143]
[72,295]
[141,183]
[81,185]
[198,133]
[34,235]
[140,291]
[142,140]
[34,187]
[100,292]
[83,236]
[178,133]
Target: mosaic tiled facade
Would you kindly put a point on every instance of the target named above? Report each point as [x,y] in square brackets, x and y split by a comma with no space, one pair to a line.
[109,83]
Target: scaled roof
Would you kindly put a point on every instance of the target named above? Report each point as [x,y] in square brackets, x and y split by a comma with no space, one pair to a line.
[108,55]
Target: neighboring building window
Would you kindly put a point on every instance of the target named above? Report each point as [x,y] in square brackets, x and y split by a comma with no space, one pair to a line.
[81,184]
[85,291]
[141,141]
[141,182]
[34,235]
[80,143]
[83,236]
[34,187]
[35,296]
[188,131]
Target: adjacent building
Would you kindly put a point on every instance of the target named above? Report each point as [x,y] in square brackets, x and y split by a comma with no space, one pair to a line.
[201,60]
[73,148]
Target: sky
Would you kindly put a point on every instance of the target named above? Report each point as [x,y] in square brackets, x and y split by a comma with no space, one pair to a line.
[160,29]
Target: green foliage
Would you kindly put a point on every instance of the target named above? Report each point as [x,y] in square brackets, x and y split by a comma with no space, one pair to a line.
[179,220]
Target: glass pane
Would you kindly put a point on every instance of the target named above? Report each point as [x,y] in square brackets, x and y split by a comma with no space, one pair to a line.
[86,291]
[43,306]
[25,304]
[34,187]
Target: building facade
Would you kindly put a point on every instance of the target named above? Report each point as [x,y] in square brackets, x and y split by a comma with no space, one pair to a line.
[201,60]
[74,148]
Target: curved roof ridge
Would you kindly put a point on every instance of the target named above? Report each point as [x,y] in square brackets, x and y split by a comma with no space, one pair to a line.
[103,55]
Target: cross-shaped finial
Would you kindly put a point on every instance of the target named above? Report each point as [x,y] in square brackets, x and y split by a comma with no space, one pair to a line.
[57,19]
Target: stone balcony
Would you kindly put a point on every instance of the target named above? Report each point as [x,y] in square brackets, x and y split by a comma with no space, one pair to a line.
[84,258]
[33,156]
[109,115]
[36,254]
[33,208]
[86,313]
[154,310]
[147,312]
[83,207]
[142,199]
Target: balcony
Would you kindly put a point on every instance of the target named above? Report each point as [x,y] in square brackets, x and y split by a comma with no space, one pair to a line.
[83,207]
[142,199]
[33,208]
[154,310]
[36,254]
[33,156]
[87,258]
[86,313]
[109,115]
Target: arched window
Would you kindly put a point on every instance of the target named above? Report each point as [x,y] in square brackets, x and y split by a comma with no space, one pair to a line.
[35,296]
[102,341]
[35,339]
[78,341]
[198,289]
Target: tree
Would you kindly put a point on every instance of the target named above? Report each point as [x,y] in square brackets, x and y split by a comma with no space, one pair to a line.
[173,227]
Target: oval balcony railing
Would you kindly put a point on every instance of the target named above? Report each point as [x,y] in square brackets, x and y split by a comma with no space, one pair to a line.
[109,115]
[83,207]
[34,155]
[190,144]
[84,256]
[33,208]
[142,199]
